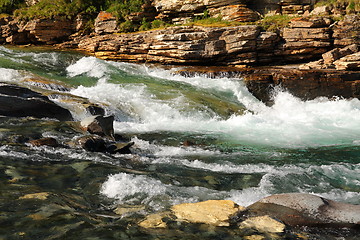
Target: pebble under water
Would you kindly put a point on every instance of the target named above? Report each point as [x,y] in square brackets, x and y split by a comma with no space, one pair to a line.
[196,139]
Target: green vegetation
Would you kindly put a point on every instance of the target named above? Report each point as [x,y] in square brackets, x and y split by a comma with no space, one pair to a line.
[121,9]
[213,22]
[124,11]
[8,6]
[275,22]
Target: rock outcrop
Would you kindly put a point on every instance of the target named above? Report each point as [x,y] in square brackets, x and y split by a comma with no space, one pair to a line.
[179,45]
[39,31]
[305,84]
[347,31]
[305,38]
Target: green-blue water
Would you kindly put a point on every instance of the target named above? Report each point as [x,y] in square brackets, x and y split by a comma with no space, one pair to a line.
[239,149]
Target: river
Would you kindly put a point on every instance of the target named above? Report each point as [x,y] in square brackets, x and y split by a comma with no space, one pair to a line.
[196,138]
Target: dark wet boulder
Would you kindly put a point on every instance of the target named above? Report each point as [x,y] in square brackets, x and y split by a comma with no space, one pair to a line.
[99,125]
[91,143]
[16,101]
[49,141]
[300,209]
[120,147]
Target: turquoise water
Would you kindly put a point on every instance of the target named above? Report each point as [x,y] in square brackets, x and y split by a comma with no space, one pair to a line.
[240,149]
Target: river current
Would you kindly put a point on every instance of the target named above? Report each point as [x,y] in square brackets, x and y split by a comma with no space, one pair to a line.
[196,138]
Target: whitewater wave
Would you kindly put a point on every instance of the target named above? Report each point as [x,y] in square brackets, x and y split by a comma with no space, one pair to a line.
[290,122]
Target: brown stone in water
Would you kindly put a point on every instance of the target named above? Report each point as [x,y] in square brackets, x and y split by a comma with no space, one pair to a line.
[49,141]
[300,209]
[213,212]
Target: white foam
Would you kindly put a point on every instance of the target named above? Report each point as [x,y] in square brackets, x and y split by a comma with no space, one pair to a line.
[138,189]
[10,75]
[90,66]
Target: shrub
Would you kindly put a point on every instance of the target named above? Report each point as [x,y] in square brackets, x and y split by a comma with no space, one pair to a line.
[275,23]
[159,24]
[122,8]
[8,6]
[128,26]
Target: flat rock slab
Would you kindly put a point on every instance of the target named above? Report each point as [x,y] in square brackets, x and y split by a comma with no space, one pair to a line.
[16,101]
[213,212]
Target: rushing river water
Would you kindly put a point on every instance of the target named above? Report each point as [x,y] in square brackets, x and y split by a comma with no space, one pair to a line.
[196,139]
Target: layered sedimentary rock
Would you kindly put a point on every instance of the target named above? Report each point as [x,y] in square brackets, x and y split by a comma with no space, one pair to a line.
[50,31]
[180,11]
[305,84]
[305,38]
[338,56]
[43,31]
[282,6]
[347,31]
[186,44]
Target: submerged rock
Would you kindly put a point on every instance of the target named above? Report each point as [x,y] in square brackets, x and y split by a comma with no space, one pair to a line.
[16,101]
[49,141]
[127,209]
[263,224]
[40,196]
[213,212]
[154,221]
[300,209]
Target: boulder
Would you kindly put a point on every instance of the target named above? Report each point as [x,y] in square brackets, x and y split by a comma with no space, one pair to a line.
[105,23]
[91,143]
[120,147]
[16,101]
[321,10]
[213,212]
[100,125]
[264,224]
[335,54]
[300,209]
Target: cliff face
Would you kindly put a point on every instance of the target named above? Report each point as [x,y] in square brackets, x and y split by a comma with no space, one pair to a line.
[303,40]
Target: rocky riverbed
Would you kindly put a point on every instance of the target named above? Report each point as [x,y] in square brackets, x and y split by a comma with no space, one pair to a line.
[106,150]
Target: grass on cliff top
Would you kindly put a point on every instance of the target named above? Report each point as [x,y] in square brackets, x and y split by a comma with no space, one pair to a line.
[274,23]
[213,22]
